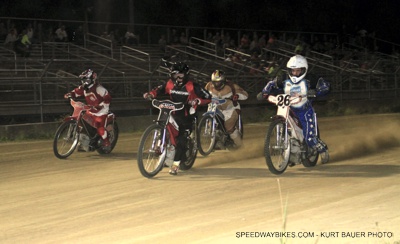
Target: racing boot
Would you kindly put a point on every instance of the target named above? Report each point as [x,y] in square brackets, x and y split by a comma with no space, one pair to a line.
[324,157]
[174,168]
[235,136]
[106,143]
[170,156]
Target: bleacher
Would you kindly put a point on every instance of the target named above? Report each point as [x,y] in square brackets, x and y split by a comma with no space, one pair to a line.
[36,84]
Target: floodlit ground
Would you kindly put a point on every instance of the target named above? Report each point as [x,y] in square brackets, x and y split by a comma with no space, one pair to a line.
[225,198]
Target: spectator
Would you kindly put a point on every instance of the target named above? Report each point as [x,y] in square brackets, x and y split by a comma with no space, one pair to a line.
[162,43]
[262,41]
[30,33]
[227,41]
[254,46]
[361,37]
[61,34]
[174,37]
[131,38]
[78,35]
[271,42]
[216,38]
[183,39]
[244,43]
[51,35]
[23,45]
[11,38]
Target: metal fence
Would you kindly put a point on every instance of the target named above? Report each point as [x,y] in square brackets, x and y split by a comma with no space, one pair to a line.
[36,85]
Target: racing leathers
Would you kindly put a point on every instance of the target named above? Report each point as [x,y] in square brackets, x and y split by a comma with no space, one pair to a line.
[303,110]
[190,92]
[231,108]
[98,99]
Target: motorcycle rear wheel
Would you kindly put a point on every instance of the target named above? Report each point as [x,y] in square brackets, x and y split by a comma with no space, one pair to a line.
[191,153]
[274,147]
[151,157]
[311,159]
[66,139]
[113,131]
[206,138]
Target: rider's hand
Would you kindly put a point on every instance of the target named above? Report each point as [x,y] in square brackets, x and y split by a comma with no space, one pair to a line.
[87,107]
[194,102]
[95,109]
[235,97]
[67,96]
[312,93]
[148,96]
[261,96]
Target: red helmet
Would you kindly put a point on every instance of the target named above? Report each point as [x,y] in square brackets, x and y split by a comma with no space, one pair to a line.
[88,77]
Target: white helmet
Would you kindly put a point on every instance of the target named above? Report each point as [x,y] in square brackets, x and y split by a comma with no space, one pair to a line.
[297,62]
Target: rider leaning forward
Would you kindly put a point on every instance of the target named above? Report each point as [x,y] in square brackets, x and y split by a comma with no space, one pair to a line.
[221,88]
[181,88]
[297,85]
[97,97]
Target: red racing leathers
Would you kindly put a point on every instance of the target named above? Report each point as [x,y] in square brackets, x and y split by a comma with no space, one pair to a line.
[186,93]
[98,98]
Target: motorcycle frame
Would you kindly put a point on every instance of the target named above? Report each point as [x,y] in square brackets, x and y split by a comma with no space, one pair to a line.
[218,117]
[78,115]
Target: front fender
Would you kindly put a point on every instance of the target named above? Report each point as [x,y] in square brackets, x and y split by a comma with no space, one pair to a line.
[211,113]
[278,117]
[69,118]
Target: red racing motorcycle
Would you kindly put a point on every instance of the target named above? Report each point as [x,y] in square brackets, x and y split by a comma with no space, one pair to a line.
[78,130]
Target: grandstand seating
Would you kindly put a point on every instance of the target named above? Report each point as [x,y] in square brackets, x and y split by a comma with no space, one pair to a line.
[36,84]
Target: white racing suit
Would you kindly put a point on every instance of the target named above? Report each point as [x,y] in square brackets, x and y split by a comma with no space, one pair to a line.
[230,109]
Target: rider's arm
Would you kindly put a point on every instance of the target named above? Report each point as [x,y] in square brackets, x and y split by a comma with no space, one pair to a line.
[272,87]
[158,90]
[323,87]
[202,94]
[242,94]
[77,92]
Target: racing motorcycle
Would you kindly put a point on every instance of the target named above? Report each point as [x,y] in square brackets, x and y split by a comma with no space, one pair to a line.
[78,130]
[155,143]
[212,133]
[284,142]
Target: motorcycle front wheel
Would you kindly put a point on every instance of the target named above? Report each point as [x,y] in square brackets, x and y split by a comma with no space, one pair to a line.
[151,155]
[206,137]
[66,139]
[274,147]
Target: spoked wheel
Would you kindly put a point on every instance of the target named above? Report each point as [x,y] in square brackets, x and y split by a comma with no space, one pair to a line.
[66,139]
[240,126]
[113,133]
[311,158]
[191,153]
[205,136]
[274,148]
[151,156]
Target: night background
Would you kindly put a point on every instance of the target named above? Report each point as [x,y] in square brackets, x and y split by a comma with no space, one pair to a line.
[285,15]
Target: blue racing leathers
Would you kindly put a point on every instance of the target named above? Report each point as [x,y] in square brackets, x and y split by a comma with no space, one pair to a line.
[303,110]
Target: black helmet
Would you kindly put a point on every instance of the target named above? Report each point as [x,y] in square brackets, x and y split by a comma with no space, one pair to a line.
[179,73]
[88,77]
[218,79]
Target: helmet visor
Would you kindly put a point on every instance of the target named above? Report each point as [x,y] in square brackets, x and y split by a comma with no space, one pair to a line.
[178,76]
[297,72]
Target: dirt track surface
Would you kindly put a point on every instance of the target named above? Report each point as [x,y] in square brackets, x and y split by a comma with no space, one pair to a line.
[225,198]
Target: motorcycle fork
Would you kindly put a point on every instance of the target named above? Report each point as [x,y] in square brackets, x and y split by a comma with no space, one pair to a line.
[214,126]
[286,135]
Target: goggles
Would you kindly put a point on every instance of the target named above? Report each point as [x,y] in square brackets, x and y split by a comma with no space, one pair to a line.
[178,76]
